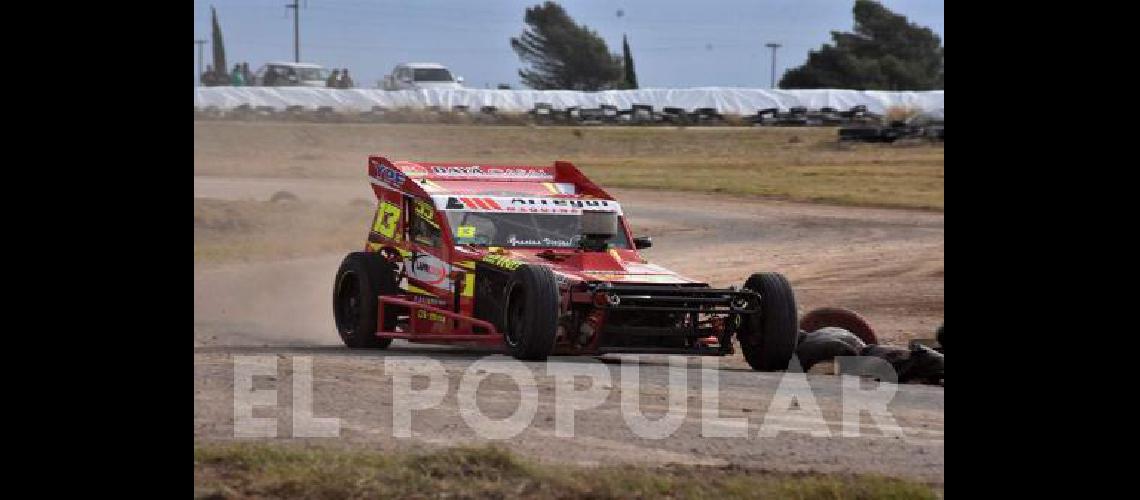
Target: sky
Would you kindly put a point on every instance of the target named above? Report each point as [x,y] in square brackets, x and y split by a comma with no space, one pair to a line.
[675,43]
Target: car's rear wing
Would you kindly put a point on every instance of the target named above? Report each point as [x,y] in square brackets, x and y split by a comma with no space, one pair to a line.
[394,173]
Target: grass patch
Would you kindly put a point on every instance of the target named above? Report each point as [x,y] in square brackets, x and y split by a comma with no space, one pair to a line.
[805,164]
[244,470]
[247,231]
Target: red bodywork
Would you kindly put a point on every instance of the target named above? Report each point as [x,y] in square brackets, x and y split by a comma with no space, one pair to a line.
[438,278]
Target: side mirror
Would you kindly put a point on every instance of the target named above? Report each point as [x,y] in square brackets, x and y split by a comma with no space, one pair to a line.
[640,242]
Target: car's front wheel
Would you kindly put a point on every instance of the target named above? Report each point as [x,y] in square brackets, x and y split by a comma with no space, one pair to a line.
[531,320]
[768,339]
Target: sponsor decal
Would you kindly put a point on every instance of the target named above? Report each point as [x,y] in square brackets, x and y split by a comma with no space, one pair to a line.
[465,231]
[544,242]
[480,171]
[390,176]
[429,269]
[503,262]
[431,301]
[387,215]
[514,242]
[426,211]
[430,315]
[560,202]
[528,205]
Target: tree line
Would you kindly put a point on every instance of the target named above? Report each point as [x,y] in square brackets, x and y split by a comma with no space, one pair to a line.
[885,51]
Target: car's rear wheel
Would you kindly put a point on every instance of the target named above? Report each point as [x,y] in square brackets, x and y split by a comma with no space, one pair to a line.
[363,277]
[532,313]
[768,339]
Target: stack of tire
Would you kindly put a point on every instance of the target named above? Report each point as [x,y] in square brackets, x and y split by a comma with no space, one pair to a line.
[831,332]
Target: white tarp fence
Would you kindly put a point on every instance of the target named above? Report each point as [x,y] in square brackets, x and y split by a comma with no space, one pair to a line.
[725,100]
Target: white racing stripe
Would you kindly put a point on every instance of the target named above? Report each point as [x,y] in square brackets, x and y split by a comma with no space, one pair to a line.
[524,204]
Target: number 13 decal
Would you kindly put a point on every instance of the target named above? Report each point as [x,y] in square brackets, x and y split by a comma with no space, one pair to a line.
[386,218]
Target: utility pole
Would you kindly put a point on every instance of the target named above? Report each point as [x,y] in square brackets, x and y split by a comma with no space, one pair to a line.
[200,44]
[296,6]
[773,46]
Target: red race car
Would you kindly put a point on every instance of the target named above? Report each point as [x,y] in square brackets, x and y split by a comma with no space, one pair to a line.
[540,261]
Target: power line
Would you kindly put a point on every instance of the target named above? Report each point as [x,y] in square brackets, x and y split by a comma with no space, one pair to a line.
[468,48]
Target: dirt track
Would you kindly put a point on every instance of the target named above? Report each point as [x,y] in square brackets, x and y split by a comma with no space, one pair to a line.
[888,264]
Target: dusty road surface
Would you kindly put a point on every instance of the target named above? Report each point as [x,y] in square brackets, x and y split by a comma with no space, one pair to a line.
[885,263]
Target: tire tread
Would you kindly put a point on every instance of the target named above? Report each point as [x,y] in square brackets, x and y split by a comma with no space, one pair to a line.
[540,319]
[768,340]
[376,279]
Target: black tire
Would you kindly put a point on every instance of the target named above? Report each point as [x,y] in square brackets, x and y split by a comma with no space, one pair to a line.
[768,339]
[361,278]
[825,344]
[840,317]
[531,316]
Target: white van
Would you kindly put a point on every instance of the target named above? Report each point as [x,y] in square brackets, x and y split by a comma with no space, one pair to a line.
[278,74]
[411,76]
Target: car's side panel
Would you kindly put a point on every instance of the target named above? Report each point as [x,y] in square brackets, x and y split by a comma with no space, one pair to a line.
[387,226]
[411,226]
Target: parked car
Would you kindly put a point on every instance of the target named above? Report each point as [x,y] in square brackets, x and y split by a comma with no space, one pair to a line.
[280,74]
[413,76]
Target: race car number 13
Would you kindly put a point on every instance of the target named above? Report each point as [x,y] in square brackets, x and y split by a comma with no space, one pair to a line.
[386,218]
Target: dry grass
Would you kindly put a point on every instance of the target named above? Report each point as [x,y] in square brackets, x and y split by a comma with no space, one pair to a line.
[265,471]
[805,164]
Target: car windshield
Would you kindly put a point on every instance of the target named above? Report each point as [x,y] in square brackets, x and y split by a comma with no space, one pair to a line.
[432,75]
[521,230]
